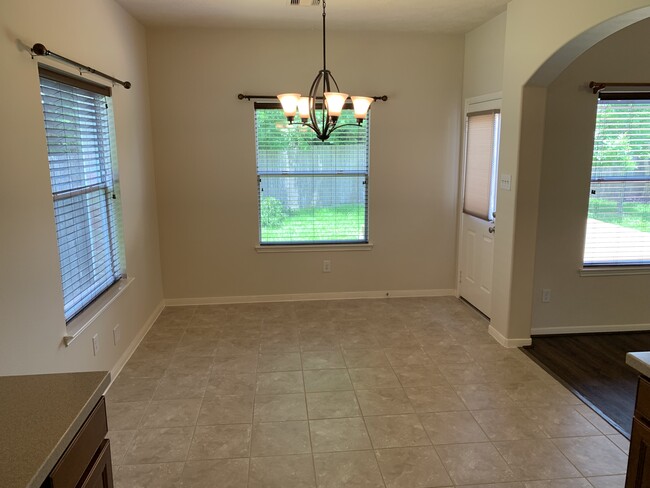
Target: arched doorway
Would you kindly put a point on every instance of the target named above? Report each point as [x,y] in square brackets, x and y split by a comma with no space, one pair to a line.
[535,54]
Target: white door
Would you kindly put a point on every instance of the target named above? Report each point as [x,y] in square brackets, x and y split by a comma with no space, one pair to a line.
[476,262]
[479,202]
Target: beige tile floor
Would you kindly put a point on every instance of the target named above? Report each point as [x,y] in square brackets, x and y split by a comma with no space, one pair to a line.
[395,393]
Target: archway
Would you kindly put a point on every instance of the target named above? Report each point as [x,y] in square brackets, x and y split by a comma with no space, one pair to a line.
[534,56]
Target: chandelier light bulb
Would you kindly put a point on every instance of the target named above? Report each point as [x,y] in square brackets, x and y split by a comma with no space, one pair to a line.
[289,103]
[361,106]
[303,108]
[335,103]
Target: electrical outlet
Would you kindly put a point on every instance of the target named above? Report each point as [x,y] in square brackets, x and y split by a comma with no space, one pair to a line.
[95,344]
[546,295]
[327,266]
[116,334]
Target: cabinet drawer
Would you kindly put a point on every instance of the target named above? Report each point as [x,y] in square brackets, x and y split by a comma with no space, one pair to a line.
[638,466]
[81,451]
[100,474]
[642,409]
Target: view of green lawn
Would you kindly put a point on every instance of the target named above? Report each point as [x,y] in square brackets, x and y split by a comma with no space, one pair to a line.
[631,215]
[347,222]
[340,223]
[621,168]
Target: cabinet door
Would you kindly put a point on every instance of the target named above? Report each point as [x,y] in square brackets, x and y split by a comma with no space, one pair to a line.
[638,468]
[100,474]
[82,451]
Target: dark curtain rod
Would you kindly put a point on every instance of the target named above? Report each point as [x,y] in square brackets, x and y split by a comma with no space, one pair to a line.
[40,50]
[241,96]
[598,86]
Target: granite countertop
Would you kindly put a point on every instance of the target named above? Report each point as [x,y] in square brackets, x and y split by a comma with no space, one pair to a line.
[39,416]
[639,361]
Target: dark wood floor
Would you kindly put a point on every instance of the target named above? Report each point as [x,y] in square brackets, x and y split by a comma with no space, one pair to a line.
[593,365]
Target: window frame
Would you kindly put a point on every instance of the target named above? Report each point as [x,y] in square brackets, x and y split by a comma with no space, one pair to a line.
[94,298]
[312,246]
[611,267]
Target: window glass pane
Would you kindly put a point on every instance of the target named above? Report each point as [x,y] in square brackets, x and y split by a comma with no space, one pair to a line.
[481,158]
[84,239]
[313,209]
[77,127]
[310,191]
[618,224]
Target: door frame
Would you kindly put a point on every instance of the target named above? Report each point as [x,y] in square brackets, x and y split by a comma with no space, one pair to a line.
[489,101]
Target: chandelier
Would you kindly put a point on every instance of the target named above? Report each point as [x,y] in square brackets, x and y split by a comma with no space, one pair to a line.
[325,92]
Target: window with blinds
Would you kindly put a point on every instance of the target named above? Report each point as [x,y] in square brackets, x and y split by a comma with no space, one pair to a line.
[482,155]
[311,192]
[618,223]
[78,127]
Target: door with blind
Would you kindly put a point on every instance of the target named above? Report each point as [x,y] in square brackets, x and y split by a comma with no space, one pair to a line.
[482,125]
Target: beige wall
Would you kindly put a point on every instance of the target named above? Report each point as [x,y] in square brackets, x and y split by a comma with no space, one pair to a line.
[568,145]
[205,159]
[530,45]
[32,326]
[484,49]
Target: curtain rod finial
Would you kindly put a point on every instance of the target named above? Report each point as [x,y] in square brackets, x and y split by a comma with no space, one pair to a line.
[39,49]
[127,84]
[597,86]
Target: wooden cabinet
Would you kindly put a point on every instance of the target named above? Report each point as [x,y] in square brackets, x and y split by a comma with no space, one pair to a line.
[86,463]
[100,472]
[638,468]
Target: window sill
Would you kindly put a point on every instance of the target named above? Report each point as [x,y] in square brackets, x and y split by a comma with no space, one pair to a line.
[85,319]
[614,270]
[314,248]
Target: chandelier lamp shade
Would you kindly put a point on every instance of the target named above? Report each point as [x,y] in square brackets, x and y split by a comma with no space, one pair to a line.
[321,109]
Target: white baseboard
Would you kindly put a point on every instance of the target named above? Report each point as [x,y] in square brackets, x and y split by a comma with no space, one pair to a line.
[586,329]
[136,342]
[298,297]
[509,343]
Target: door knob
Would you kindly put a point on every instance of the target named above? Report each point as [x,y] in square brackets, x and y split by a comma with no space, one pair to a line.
[492,230]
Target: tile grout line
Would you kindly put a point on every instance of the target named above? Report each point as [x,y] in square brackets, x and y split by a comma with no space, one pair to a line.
[374,450]
[392,369]
[311,445]
[139,427]
[250,444]
[189,446]
[420,420]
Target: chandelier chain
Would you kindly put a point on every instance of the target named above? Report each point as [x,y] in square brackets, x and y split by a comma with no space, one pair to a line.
[324,39]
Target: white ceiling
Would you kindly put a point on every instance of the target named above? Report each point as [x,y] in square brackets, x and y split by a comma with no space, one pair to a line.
[444,16]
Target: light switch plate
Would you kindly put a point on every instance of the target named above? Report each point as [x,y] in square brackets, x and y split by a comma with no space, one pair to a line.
[505,182]
[116,334]
[95,344]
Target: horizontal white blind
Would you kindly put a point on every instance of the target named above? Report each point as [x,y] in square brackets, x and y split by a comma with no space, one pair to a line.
[311,192]
[618,225]
[482,130]
[77,127]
